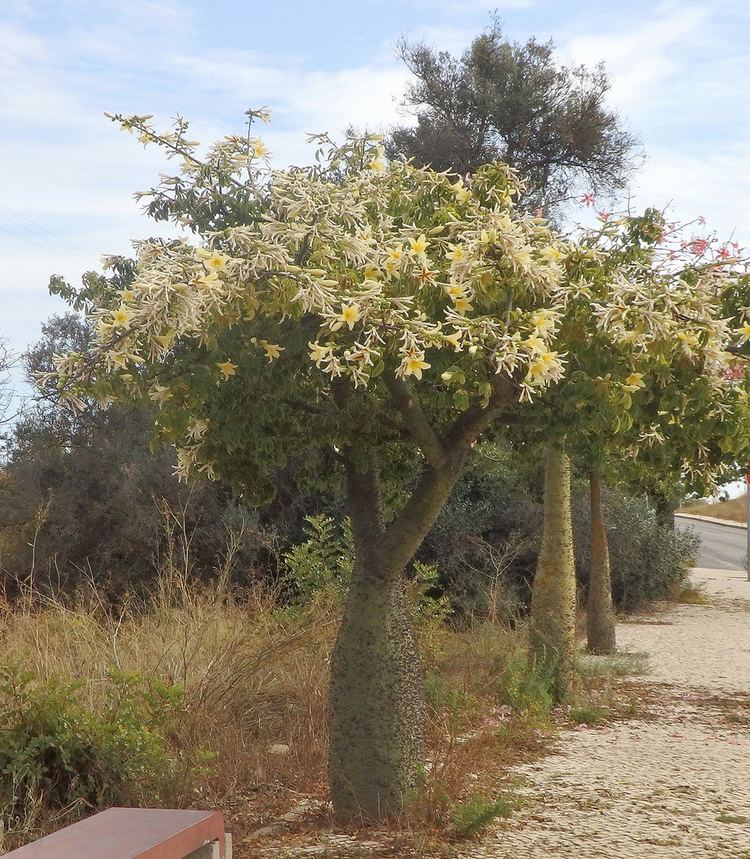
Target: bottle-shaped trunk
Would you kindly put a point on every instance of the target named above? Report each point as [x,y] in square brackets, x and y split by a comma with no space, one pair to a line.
[377,701]
[600,615]
[553,601]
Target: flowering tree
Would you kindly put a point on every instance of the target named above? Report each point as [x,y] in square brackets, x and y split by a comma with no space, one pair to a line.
[364,319]
[652,385]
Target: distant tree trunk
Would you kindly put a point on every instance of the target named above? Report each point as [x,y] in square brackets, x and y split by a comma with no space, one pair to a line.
[600,616]
[553,600]
[665,506]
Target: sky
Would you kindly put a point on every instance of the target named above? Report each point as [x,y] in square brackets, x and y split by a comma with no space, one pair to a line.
[680,73]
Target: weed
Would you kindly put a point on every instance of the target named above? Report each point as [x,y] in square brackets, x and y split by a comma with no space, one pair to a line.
[621,664]
[588,714]
[474,815]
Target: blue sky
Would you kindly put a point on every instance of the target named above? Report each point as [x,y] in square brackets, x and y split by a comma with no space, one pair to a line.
[680,70]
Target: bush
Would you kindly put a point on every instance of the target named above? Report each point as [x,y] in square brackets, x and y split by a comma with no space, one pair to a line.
[649,561]
[60,757]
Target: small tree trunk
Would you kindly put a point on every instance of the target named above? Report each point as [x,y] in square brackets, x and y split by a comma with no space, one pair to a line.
[377,701]
[664,507]
[553,599]
[600,615]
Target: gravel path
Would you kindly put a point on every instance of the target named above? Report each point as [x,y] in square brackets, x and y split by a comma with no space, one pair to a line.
[677,785]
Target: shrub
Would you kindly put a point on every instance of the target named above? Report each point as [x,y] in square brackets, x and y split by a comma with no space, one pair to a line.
[59,757]
[649,561]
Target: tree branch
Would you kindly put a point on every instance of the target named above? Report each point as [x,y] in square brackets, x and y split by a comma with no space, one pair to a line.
[407,402]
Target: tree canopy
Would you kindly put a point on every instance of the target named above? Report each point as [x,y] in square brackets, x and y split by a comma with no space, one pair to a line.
[515,103]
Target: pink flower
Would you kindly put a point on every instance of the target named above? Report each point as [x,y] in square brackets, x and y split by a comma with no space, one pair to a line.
[587,199]
[698,246]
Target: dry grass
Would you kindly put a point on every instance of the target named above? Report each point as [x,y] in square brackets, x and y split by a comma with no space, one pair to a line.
[733,509]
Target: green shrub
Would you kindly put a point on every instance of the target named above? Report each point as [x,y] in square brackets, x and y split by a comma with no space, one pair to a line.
[478,812]
[527,685]
[60,757]
[323,564]
[649,561]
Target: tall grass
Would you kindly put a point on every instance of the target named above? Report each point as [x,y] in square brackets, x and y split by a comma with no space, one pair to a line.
[246,680]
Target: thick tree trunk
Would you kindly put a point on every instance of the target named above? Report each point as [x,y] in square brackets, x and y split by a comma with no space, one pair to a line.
[600,615]
[377,701]
[554,592]
[377,707]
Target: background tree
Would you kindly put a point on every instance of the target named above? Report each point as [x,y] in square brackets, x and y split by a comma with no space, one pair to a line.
[515,103]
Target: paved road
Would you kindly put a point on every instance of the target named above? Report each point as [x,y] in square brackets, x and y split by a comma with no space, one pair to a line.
[723,548]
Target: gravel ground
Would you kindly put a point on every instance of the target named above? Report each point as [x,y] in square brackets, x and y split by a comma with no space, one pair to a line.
[677,785]
[674,784]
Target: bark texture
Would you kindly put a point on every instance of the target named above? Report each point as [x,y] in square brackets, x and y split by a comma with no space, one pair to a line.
[377,702]
[600,615]
[553,600]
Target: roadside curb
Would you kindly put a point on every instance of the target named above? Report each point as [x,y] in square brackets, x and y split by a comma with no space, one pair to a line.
[725,522]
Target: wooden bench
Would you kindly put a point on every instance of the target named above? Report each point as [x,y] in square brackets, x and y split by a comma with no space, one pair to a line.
[136,833]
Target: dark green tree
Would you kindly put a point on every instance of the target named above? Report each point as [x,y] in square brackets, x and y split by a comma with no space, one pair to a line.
[516,103]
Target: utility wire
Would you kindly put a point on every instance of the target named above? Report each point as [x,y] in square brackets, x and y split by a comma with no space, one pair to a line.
[45,248]
[39,227]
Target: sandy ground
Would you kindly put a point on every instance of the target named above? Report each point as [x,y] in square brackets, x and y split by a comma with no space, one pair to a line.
[677,785]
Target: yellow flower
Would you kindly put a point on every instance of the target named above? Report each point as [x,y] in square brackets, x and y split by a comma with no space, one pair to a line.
[536,344]
[395,255]
[272,351]
[349,315]
[371,273]
[688,338]
[552,254]
[377,165]
[318,352]
[461,192]
[454,339]
[463,304]
[634,382]
[539,368]
[456,253]
[227,368]
[206,280]
[413,365]
[455,291]
[543,320]
[121,316]
[419,246]
[745,330]
[260,150]
[127,295]
[215,262]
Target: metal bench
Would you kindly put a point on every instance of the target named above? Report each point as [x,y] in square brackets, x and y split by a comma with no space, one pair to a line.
[136,833]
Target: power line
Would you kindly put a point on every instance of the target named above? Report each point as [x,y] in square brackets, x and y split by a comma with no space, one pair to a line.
[46,249]
[57,238]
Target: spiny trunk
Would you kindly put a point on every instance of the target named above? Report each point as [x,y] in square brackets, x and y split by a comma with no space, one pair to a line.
[377,709]
[554,591]
[600,615]
[377,701]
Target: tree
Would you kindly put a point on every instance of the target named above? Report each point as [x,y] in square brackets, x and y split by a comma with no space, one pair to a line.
[649,350]
[371,319]
[305,327]
[504,101]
